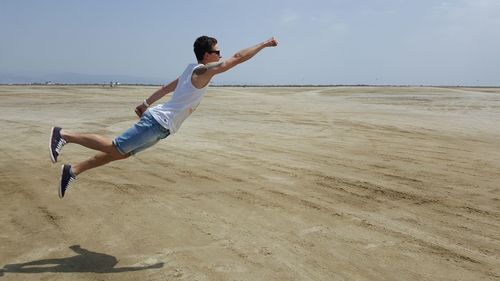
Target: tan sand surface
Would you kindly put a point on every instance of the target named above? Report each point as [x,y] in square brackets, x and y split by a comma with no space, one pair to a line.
[344,183]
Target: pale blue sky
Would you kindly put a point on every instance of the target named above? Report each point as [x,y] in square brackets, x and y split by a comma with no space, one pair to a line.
[321,42]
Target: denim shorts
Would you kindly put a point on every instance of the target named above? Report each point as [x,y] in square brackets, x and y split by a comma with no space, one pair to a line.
[142,135]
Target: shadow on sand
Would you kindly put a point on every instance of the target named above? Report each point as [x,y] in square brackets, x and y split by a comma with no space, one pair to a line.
[85,261]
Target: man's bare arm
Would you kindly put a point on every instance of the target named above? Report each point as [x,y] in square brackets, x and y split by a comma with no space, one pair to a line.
[204,68]
[140,109]
[245,55]
[203,74]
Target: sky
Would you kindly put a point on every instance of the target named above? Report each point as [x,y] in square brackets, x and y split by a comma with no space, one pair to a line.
[399,42]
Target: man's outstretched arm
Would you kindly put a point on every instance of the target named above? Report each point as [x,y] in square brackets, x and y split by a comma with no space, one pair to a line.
[245,55]
[204,74]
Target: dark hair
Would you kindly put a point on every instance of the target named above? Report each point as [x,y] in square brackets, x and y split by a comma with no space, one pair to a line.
[203,45]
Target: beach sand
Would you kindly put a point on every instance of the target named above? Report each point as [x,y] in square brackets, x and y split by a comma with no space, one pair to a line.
[342,183]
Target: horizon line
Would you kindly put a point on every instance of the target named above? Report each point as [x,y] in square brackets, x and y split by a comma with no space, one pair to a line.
[255,85]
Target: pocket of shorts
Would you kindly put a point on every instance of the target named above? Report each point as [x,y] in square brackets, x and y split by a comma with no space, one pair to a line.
[164,130]
[165,134]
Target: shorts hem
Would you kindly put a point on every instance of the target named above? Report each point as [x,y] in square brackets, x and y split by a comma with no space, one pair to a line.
[118,148]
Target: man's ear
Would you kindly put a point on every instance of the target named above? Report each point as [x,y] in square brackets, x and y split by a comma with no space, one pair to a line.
[205,55]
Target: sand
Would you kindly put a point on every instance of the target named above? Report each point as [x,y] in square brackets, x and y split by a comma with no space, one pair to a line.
[344,183]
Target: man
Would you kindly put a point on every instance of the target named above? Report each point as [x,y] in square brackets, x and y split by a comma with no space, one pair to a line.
[157,122]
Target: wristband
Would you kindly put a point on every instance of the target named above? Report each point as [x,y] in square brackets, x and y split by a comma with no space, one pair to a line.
[146,104]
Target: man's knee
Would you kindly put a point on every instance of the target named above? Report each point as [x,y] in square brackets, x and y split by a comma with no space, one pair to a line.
[115,152]
[122,156]
[117,155]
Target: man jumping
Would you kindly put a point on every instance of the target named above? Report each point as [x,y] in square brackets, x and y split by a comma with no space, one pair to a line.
[156,122]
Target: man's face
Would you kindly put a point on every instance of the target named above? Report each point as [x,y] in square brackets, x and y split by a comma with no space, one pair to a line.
[213,55]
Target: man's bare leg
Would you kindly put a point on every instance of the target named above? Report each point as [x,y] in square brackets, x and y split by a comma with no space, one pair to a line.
[108,153]
[97,160]
[92,141]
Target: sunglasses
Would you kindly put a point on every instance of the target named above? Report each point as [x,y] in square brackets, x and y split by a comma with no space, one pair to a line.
[214,52]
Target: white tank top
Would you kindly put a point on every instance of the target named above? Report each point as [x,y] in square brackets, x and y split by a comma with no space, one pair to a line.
[184,101]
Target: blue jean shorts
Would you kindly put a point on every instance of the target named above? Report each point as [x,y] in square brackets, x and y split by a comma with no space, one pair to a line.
[142,135]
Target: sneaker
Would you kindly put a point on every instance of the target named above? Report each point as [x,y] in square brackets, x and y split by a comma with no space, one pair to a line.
[67,176]
[56,143]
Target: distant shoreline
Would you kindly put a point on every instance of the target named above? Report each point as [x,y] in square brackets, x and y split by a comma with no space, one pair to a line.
[250,86]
